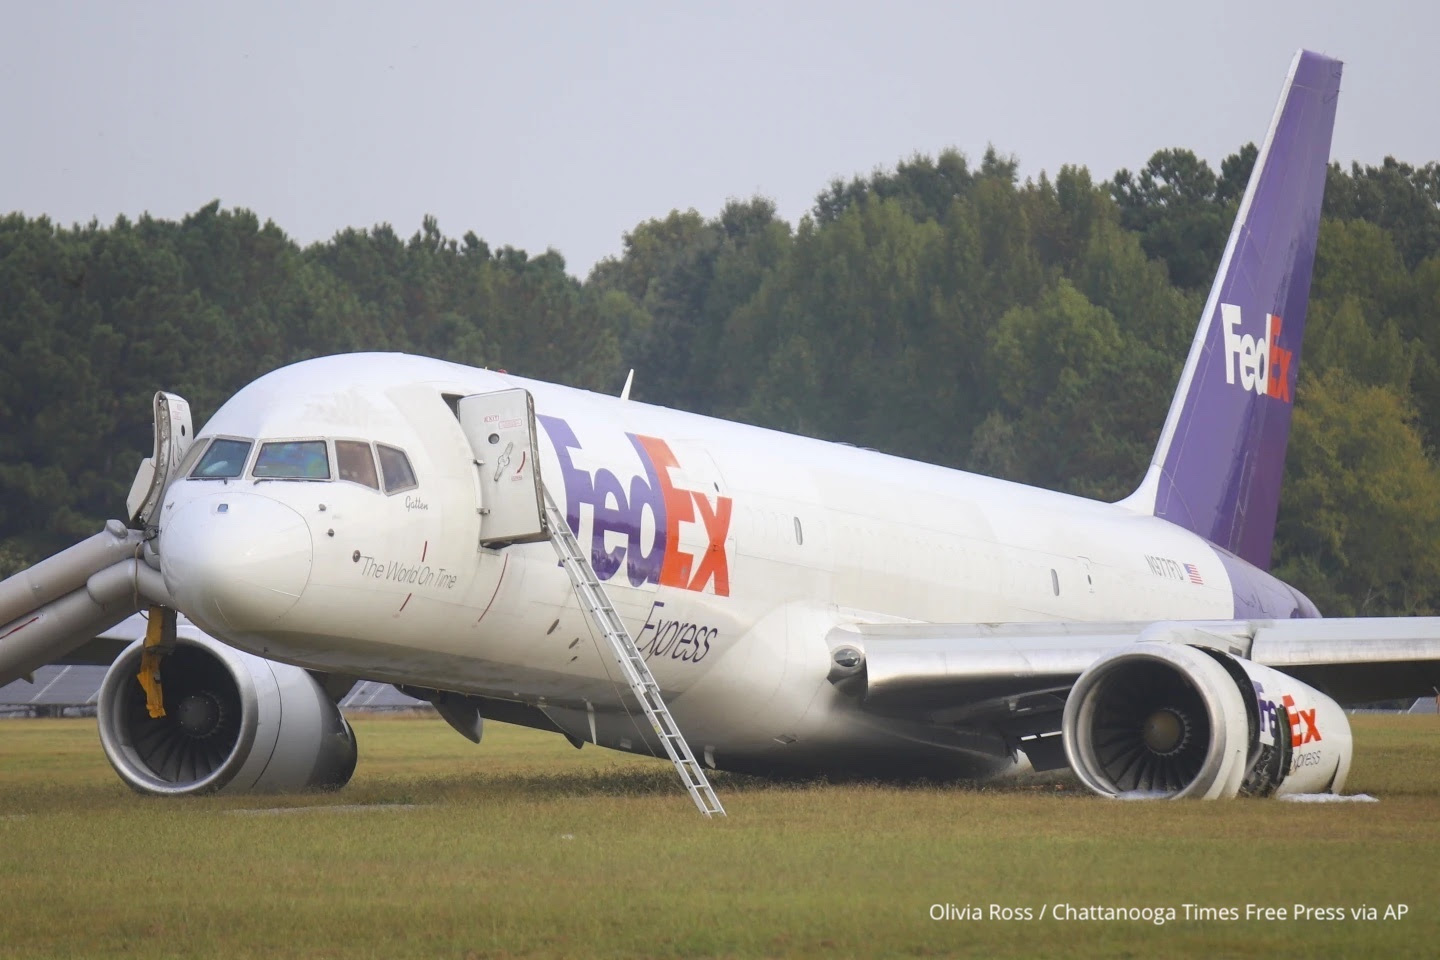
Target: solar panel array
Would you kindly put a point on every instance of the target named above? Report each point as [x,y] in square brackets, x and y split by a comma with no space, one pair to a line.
[54,687]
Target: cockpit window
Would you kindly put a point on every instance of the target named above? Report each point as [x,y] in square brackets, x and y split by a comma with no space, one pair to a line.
[182,469]
[395,467]
[292,460]
[224,460]
[355,462]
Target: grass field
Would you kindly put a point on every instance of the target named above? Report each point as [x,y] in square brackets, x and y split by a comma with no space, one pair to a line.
[525,847]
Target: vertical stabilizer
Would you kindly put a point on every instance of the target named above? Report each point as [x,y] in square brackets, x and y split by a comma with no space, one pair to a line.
[1221,456]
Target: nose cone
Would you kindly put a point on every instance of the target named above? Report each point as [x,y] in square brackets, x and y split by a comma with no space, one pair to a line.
[236,560]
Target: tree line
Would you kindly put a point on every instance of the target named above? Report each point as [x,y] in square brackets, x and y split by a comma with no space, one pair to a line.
[940,310]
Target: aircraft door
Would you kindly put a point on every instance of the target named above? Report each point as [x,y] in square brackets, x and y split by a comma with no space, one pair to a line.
[501,429]
[174,435]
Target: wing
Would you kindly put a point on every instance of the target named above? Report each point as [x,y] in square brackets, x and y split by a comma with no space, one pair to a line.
[1014,677]
[102,650]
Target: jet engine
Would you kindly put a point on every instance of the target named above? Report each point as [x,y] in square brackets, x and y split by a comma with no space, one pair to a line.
[233,723]
[1171,720]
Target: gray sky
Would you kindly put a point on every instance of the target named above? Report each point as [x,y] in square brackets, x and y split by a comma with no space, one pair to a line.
[565,124]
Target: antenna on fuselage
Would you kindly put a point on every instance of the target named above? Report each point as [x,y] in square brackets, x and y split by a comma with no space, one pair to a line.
[629,379]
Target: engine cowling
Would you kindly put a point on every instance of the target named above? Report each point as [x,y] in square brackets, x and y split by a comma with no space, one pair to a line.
[234,723]
[1170,720]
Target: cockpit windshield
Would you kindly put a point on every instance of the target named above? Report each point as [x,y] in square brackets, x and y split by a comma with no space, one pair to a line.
[292,460]
[224,460]
[355,461]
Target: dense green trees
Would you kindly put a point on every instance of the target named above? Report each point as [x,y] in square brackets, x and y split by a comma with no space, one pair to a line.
[1033,330]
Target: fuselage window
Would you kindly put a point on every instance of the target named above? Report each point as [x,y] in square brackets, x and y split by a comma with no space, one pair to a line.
[395,468]
[1055,581]
[799,534]
[355,462]
[224,460]
[292,460]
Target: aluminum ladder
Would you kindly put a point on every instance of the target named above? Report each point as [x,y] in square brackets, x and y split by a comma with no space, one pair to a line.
[597,606]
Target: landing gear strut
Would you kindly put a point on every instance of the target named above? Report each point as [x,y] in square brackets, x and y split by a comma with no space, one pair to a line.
[159,641]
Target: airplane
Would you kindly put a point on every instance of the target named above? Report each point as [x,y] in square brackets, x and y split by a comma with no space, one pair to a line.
[804,608]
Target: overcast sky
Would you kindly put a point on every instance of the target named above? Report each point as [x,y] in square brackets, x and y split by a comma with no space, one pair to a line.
[565,124]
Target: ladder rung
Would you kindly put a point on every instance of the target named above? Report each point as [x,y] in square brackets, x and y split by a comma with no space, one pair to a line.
[596,604]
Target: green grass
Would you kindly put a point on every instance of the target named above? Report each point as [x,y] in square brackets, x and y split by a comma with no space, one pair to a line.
[525,847]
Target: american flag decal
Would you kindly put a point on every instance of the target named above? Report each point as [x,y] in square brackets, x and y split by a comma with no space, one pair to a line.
[1194,572]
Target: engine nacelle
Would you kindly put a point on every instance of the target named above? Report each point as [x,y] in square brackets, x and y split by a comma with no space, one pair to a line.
[1171,720]
[234,723]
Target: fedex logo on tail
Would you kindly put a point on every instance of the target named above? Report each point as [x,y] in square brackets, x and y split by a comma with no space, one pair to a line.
[1262,366]
[656,555]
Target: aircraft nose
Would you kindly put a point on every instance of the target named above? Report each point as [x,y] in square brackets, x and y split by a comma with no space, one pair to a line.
[236,560]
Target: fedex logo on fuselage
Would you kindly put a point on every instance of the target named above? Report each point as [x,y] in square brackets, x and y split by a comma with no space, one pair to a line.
[1263,366]
[617,515]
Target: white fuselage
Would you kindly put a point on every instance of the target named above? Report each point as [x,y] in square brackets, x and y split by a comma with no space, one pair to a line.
[729,563]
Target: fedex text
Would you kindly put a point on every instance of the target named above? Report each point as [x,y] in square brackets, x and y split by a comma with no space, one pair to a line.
[618,508]
[1262,366]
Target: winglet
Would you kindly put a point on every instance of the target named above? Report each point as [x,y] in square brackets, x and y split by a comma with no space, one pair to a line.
[629,379]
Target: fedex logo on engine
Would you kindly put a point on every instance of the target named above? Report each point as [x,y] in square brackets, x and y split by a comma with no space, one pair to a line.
[618,534]
[1303,727]
[1263,366]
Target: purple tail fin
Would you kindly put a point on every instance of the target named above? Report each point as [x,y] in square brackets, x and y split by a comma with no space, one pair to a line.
[1221,456]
